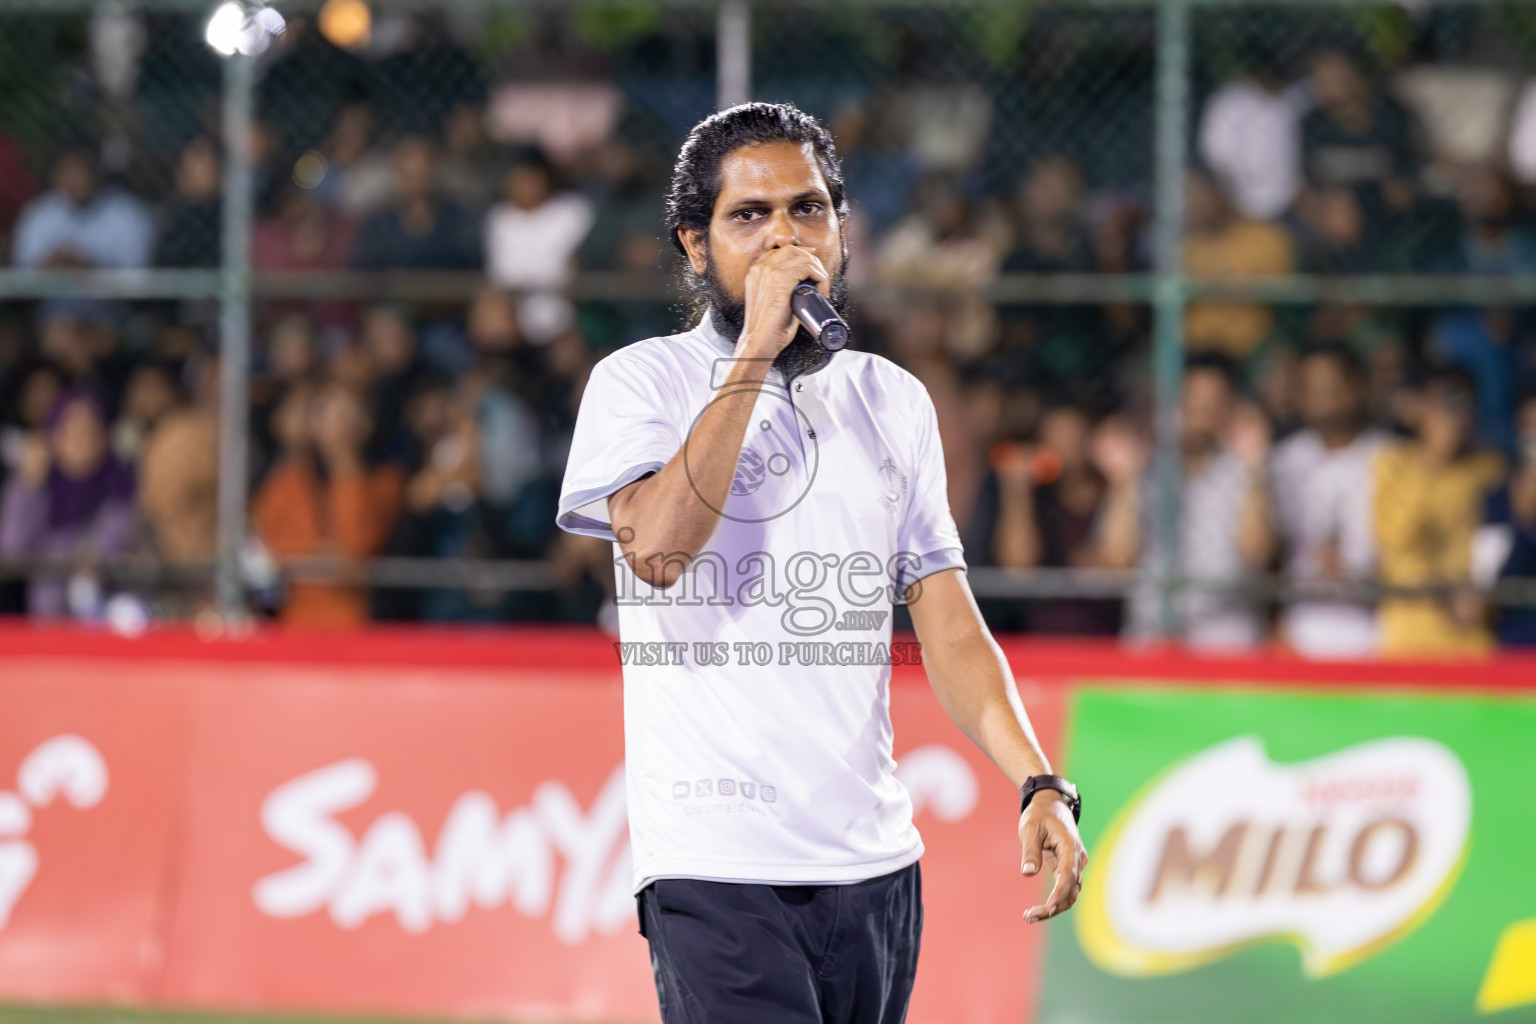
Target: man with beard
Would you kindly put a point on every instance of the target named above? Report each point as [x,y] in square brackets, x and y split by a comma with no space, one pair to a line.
[766,497]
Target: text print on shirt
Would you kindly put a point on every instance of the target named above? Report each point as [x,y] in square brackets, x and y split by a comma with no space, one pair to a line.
[756,580]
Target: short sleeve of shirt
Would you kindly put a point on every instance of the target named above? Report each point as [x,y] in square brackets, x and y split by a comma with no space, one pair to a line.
[928,530]
[622,433]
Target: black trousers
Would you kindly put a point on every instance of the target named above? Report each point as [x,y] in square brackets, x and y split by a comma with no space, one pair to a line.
[738,953]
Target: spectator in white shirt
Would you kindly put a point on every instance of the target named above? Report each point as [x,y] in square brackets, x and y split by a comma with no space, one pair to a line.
[79,223]
[1250,135]
[1225,528]
[531,237]
[1323,498]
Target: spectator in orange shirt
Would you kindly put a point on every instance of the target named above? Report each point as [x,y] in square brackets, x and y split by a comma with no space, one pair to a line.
[1221,242]
[322,499]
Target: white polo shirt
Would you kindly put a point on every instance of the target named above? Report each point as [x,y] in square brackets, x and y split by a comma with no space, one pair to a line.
[756,688]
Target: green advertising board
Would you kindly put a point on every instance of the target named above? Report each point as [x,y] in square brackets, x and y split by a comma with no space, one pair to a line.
[1300,856]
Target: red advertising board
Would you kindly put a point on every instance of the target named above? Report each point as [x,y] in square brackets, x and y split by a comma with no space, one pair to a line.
[90,777]
[420,825]
[431,824]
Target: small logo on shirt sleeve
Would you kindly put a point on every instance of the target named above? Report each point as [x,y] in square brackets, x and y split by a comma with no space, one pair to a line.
[893,484]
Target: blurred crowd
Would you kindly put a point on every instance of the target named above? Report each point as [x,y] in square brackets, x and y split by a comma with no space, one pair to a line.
[1324,446]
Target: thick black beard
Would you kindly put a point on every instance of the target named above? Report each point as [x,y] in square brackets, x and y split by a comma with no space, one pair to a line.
[803,354]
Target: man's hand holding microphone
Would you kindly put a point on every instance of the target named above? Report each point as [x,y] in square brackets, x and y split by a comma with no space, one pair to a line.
[786,289]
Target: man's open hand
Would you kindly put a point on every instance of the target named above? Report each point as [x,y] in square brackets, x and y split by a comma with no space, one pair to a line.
[1049,836]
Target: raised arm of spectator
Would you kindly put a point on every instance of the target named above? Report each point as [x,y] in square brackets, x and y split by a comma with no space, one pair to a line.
[363,509]
[1016,542]
[1249,439]
[363,505]
[1395,518]
[1121,455]
[1256,529]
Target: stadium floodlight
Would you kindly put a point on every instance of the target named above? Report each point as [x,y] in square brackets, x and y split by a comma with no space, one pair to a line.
[243,26]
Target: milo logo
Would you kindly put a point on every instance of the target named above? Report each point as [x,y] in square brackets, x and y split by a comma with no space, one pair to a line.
[1340,856]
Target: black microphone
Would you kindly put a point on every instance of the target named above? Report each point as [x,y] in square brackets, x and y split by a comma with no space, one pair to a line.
[818,316]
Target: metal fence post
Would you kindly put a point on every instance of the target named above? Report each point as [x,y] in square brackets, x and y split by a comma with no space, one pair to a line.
[1168,299]
[733,54]
[234,328]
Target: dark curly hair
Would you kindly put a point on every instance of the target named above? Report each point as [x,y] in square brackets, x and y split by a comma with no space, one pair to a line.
[696,176]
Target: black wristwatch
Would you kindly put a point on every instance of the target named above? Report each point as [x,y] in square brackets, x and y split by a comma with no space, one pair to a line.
[1035,783]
